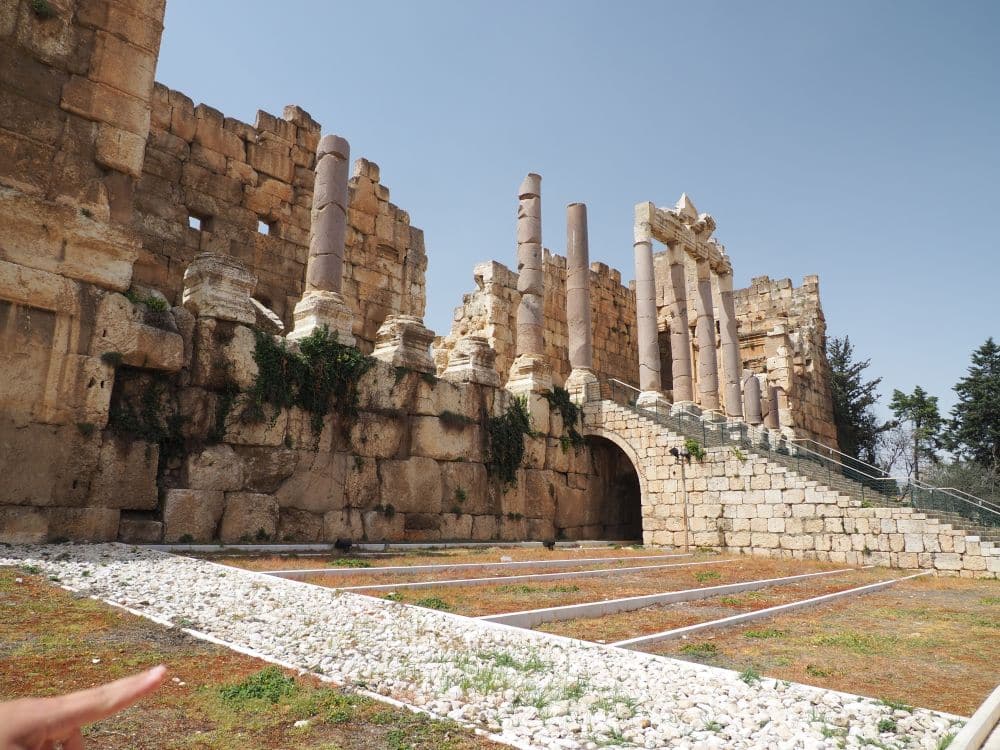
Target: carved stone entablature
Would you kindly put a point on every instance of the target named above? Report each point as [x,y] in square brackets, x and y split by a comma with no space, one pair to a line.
[219,286]
[404,341]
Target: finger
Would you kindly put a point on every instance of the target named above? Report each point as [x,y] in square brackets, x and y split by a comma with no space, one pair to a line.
[74,741]
[68,712]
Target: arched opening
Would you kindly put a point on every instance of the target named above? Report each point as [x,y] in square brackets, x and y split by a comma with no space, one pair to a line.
[612,501]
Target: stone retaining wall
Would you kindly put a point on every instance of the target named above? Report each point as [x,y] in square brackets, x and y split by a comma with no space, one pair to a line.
[745,503]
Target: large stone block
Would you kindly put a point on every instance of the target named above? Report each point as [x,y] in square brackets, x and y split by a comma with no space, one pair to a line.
[192,515]
[317,484]
[378,435]
[83,524]
[465,486]
[412,486]
[299,526]
[249,517]
[119,327]
[126,475]
[140,531]
[217,467]
[447,438]
[46,465]
[265,469]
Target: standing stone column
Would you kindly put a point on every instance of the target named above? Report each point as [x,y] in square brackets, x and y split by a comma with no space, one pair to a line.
[645,307]
[704,331]
[751,399]
[730,347]
[322,304]
[772,420]
[531,371]
[680,341]
[581,348]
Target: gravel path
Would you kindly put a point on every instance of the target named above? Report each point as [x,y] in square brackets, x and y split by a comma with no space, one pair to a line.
[531,688]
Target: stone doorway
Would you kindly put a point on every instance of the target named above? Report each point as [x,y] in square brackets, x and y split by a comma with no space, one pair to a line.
[613,500]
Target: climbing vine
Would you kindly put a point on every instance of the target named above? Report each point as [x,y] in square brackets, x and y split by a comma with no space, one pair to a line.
[147,417]
[506,441]
[322,369]
[560,400]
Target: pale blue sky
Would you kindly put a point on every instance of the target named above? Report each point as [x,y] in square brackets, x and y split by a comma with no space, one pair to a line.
[856,140]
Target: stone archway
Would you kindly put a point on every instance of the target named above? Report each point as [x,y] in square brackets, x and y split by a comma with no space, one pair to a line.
[612,503]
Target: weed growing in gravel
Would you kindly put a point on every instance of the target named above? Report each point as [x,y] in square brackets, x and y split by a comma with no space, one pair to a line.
[609,704]
[707,575]
[393,596]
[575,691]
[505,659]
[433,602]
[946,741]
[896,705]
[886,725]
[713,726]
[764,633]
[750,676]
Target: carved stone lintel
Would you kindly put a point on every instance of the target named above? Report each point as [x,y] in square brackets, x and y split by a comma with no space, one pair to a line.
[323,308]
[581,384]
[530,373]
[218,286]
[404,341]
[472,360]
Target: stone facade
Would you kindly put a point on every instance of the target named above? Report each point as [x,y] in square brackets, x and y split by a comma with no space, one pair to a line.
[490,311]
[783,337]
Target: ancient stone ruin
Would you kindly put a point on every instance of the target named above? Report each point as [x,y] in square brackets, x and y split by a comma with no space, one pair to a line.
[213,331]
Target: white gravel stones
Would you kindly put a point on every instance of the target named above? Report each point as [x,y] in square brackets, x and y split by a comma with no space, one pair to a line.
[533,689]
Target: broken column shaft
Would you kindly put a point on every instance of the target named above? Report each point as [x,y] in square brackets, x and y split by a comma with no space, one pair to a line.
[578,319]
[729,347]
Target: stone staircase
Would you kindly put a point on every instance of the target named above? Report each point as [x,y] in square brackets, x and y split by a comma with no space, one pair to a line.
[828,474]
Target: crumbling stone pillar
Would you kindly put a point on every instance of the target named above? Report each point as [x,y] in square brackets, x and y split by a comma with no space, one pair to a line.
[531,371]
[323,304]
[404,341]
[771,419]
[680,342]
[472,361]
[751,399]
[645,307]
[708,365]
[730,347]
[581,349]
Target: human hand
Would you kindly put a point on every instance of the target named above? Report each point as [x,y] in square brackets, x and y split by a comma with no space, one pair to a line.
[49,723]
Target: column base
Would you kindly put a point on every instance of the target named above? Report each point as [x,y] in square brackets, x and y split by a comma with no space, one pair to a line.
[583,386]
[653,401]
[530,373]
[686,408]
[472,360]
[404,341]
[323,309]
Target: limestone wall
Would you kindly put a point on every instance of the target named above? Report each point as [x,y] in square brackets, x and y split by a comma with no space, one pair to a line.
[744,503]
[783,334]
[491,310]
[250,190]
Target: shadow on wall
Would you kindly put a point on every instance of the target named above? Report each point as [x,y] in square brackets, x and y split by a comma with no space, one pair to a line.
[614,500]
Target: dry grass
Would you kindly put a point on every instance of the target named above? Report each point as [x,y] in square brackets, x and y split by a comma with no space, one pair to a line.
[932,642]
[444,556]
[478,600]
[663,617]
[51,642]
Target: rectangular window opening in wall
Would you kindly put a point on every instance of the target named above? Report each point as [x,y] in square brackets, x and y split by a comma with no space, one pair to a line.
[266,227]
[199,222]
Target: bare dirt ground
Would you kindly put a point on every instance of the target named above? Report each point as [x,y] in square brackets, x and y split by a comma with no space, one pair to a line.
[659,618]
[478,600]
[931,642]
[52,642]
[444,556]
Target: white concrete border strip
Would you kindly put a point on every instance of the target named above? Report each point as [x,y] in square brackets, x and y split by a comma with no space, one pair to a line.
[529,618]
[646,640]
[487,581]
[437,567]
[984,725]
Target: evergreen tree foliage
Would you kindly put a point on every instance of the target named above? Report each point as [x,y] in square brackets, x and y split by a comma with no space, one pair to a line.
[858,428]
[974,429]
[920,410]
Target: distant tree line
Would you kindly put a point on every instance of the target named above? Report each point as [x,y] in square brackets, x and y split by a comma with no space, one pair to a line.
[961,451]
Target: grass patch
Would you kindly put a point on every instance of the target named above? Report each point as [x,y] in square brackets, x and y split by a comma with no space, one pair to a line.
[433,602]
[859,643]
[896,705]
[700,650]
[269,684]
[523,589]
[764,633]
[507,660]
[707,575]
[348,562]
[814,671]
[750,676]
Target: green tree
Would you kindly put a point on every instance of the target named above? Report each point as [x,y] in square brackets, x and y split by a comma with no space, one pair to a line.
[858,428]
[974,429]
[920,410]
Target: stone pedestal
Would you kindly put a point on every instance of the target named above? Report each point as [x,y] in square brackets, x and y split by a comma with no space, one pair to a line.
[404,341]
[472,360]
[583,385]
[530,374]
[217,286]
[319,309]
